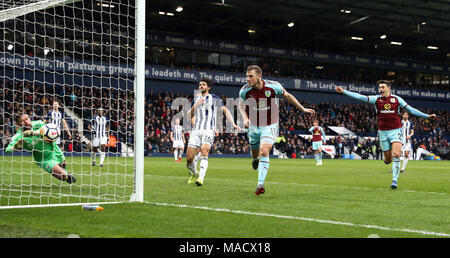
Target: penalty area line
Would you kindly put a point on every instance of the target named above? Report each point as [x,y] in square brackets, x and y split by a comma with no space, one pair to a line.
[422,232]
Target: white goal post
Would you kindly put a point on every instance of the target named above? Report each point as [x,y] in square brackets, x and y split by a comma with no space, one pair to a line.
[88,56]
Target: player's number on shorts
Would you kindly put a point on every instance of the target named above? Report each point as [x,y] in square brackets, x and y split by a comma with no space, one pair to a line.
[400,135]
[274,132]
[207,138]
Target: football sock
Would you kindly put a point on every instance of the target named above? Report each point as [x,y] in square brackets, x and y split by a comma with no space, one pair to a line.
[196,160]
[316,156]
[263,167]
[180,154]
[102,157]
[405,161]
[395,169]
[93,156]
[203,167]
[175,154]
[320,156]
[192,168]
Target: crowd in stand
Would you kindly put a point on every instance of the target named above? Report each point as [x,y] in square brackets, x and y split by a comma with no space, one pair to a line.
[36,99]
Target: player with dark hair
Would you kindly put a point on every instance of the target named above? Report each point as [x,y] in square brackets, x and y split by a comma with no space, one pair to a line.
[178,140]
[390,133]
[205,110]
[100,128]
[408,131]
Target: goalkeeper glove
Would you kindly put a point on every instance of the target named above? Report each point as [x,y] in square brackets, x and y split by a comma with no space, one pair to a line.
[29,133]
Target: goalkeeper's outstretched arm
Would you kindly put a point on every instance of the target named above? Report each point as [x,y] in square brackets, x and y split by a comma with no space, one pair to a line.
[17,140]
[15,145]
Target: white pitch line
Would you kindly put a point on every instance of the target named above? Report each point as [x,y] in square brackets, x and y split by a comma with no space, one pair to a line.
[422,232]
[315,185]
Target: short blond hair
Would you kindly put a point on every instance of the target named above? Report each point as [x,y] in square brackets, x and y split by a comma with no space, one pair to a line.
[255,68]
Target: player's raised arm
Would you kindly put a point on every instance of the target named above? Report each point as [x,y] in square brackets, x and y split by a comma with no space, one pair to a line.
[15,144]
[414,111]
[293,100]
[353,95]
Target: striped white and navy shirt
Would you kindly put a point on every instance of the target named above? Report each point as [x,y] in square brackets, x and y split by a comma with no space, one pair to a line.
[177,133]
[99,125]
[407,127]
[55,117]
[206,113]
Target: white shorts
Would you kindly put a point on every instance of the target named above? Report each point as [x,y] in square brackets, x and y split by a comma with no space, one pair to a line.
[406,146]
[100,141]
[178,144]
[198,138]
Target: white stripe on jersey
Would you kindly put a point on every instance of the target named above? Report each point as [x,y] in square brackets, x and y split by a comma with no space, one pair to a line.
[55,117]
[100,126]
[206,113]
[177,133]
[407,127]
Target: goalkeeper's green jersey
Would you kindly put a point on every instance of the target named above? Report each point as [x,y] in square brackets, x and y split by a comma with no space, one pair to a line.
[41,150]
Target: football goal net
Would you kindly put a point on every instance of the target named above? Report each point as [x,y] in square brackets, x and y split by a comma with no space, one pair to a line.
[80,65]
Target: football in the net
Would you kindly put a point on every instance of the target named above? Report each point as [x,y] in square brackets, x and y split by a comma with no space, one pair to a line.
[50,132]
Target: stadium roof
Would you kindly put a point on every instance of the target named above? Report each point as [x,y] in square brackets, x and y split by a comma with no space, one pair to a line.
[323,25]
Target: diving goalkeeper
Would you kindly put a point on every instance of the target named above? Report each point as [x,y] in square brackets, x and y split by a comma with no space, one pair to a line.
[47,155]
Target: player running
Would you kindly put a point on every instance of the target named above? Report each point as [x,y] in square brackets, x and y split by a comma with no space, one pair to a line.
[100,127]
[318,136]
[201,137]
[408,131]
[47,155]
[177,137]
[260,109]
[390,133]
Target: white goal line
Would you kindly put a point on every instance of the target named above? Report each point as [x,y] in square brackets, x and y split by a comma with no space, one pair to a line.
[422,232]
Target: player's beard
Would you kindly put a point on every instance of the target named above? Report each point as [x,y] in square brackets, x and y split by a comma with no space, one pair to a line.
[256,84]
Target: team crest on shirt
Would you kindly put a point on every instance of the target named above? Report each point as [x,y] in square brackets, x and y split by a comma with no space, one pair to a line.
[393,100]
[267,92]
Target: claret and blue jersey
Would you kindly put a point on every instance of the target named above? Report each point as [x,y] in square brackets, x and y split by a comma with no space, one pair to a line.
[318,133]
[264,111]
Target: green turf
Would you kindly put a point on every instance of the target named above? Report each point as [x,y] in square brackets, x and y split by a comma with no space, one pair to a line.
[301,200]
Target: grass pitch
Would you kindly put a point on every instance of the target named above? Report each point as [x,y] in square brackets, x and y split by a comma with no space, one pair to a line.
[343,198]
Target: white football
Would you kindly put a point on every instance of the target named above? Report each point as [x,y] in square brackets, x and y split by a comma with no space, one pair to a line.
[50,132]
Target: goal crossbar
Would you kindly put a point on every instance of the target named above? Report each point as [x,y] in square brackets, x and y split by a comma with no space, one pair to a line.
[14,12]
